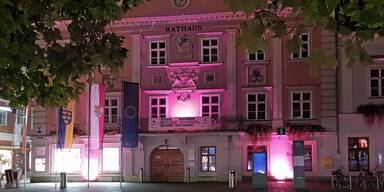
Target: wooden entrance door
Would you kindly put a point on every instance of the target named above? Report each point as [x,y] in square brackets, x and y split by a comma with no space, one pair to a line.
[167,165]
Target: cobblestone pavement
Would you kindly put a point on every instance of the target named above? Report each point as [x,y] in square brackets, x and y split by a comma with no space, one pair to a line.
[172,187]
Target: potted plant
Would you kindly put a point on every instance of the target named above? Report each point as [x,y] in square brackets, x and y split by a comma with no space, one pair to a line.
[259,133]
[303,130]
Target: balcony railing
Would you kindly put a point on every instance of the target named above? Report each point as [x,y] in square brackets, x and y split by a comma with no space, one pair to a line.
[180,124]
[176,124]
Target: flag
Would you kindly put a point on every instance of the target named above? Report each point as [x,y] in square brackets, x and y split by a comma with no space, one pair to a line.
[97,116]
[66,125]
[130,123]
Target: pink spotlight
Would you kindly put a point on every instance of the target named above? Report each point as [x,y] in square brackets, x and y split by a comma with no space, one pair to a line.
[281,158]
[280,169]
[93,170]
[93,165]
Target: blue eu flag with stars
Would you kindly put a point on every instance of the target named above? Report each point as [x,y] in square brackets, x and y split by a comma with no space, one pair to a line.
[130,123]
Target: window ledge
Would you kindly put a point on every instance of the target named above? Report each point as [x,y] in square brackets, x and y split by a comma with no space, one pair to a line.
[207,173]
[303,121]
[158,66]
[264,121]
[264,62]
[297,60]
[375,97]
[210,64]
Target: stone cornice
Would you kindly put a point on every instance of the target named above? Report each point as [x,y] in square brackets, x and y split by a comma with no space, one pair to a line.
[181,19]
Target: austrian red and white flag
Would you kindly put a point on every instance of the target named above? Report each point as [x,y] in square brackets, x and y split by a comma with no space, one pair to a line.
[97,116]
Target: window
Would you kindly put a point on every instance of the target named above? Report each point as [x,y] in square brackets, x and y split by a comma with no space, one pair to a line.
[67,160]
[111,111]
[208,158]
[158,107]
[158,52]
[307,157]
[358,153]
[210,50]
[19,117]
[377,82]
[111,159]
[252,149]
[249,158]
[6,155]
[301,105]
[39,164]
[3,118]
[210,106]
[304,48]
[256,56]
[256,106]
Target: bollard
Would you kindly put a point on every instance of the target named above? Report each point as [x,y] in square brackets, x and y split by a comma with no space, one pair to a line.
[231,178]
[188,174]
[141,175]
[63,180]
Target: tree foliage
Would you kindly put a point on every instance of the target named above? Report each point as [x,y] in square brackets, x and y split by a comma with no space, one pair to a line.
[357,21]
[39,61]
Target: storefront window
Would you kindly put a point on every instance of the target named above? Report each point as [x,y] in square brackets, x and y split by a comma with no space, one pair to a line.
[308,157]
[40,164]
[358,153]
[250,150]
[111,159]
[5,159]
[249,157]
[208,158]
[67,160]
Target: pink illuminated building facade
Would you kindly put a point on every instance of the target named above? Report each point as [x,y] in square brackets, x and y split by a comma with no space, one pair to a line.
[206,102]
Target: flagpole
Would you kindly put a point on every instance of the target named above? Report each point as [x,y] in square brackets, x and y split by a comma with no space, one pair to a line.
[25,144]
[121,136]
[89,131]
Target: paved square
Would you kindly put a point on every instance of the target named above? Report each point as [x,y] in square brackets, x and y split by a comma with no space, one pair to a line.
[173,187]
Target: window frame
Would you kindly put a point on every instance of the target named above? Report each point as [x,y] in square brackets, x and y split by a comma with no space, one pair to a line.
[119,157]
[208,155]
[248,53]
[4,118]
[210,105]
[109,107]
[158,106]
[300,52]
[210,47]
[158,50]
[312,158]
[301,102]
[380,78]
[247,102]
[357,149]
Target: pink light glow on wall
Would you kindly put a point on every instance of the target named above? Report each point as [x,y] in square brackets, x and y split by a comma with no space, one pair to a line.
[93,165]
[280,158]
[188,109]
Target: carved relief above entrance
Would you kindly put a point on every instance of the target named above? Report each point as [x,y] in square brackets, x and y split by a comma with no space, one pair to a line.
[183,79]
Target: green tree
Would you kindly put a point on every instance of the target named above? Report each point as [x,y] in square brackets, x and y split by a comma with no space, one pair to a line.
[42,62]
[357,21]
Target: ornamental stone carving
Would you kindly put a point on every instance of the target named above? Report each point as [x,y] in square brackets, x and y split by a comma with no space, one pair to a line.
[184,47]
[183,81]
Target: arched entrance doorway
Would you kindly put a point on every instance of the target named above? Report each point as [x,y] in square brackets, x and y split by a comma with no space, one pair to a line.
[167,164]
